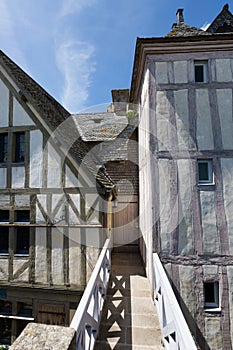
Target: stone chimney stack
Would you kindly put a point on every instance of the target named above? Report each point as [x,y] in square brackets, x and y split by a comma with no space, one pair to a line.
[180,16]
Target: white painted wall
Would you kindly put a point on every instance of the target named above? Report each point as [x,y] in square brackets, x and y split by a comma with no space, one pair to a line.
[18,177]
[180,72]
[204,125]
[36,158]
[20,117]
[4,105]
[224,98]
[224,70]
[3,174]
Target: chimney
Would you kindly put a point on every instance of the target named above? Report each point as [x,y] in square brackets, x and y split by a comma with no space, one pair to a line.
[180,16]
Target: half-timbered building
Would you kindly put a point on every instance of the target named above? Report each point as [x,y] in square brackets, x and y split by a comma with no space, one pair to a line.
[183,85]
[54,206]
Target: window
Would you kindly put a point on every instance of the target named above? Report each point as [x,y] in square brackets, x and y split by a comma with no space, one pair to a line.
[211,295]
[200,71]
[4,232]
[205,172]
[3,147]
[22,240]
[25,309]
[19,144]
[4,239]
[4,215]
[22,215]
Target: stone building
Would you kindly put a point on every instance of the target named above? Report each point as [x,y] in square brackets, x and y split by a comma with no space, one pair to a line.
[54,206]
[183,85]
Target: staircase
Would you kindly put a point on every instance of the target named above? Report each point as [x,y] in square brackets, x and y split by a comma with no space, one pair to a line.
[129,320]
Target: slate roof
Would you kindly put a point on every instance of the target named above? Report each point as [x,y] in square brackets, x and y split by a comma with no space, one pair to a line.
[100,126]
[223,23]
[54,114]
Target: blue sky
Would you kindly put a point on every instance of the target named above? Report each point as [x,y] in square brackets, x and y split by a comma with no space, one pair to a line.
[79,50]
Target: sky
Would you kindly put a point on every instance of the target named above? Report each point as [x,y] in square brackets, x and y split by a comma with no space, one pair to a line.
[79,50]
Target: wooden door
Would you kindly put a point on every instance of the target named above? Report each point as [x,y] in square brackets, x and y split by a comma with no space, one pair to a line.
[125,222]
[51,314]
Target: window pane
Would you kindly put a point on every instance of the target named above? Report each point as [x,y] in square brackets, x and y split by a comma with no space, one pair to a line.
[4,239]
[22,240]
[5,331]
[22,215]
[19,147]
[209,293]
[203,170]
[3,147]
[4,215]
[199,74]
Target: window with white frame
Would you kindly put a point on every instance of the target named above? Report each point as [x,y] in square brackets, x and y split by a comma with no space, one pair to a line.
[211,295]
[205,171]
[201,71]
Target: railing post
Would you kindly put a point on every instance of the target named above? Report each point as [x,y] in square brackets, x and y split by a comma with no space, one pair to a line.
[175,332]
[88,314]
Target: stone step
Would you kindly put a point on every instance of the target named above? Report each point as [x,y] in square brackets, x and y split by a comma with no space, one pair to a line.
[129,319]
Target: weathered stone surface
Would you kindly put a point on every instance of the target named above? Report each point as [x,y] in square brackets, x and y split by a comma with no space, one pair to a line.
[211,241]
[45,337]
[213,333]
[180,72]
[223,68]
[204,125]
[161,72]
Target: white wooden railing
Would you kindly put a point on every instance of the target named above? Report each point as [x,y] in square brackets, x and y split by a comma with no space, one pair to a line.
[88,314]
[175,332]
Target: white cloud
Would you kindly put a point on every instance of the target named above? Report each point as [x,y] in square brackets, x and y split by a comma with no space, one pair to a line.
[75,61]
[74,6]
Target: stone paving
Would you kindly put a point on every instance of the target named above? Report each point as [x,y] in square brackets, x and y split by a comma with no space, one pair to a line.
[129,320]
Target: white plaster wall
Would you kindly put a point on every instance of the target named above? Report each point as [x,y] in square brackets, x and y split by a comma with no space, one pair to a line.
[223,70]
[180,72]
[162,116]
[3,174]
[186,239]
[224,97]
[20,117]
[187,279]
[54,168]
[93,238]
[18,177]
[161,74]
[42,199]
[58,208]
[182,119]
[17,264]
[4,104]
[213,333]
[91,203]
[4,199]
[57,256]
[211,241]
[75,257]
[40,255]
[73,218]
[204,125]
[92,255]
[165,208]
[227,178]
[210,270]
[22,200]
[36,158]
[71,180]
[230,286]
